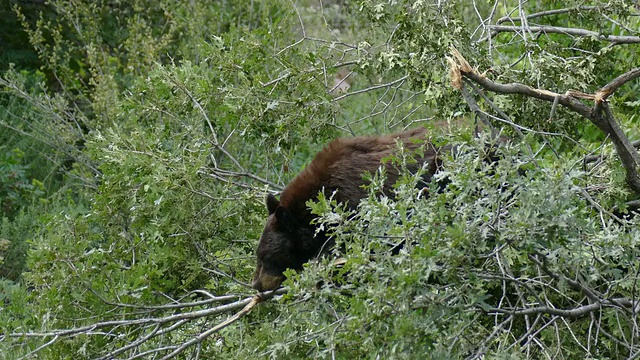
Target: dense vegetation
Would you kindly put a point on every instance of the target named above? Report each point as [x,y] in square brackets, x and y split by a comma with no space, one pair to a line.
[139,138]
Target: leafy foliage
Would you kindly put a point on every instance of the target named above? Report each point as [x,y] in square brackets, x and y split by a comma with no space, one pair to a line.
[140,137]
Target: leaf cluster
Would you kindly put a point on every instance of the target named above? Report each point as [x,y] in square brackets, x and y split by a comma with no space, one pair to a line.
[136,154]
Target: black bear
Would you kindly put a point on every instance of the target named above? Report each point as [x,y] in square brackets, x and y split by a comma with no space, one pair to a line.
[289,238]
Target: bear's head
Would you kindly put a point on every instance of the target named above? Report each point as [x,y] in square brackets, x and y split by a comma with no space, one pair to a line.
[284,244]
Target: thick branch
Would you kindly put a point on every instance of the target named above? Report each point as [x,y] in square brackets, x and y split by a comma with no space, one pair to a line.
[604,119]
[566,100]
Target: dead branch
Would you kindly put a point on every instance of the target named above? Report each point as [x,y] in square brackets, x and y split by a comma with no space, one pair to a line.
[246,174]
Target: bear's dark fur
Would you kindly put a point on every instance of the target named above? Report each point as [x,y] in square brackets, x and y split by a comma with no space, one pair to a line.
[288,239]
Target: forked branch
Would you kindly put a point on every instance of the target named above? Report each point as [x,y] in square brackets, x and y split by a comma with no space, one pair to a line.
[599,114]
[152,327]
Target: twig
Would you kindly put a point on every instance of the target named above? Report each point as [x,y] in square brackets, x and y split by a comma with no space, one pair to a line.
[592,158]
[221,172]
[375,87]
[599,207]
[483,347]
[271,82]
[542,264]
[40,347]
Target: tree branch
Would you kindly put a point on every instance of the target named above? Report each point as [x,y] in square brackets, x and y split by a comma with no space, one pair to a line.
[547,13]
[600,114]
[374,87]
[576,312]
[198,339]
[156,323]
[611,87]
[618,39]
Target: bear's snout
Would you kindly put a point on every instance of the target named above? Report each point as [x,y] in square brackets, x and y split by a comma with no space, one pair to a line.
[264,282]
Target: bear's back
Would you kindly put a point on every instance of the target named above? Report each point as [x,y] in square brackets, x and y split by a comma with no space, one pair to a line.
[341,165]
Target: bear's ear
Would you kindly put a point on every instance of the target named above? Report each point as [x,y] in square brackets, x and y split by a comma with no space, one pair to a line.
[285,218]
[272,203]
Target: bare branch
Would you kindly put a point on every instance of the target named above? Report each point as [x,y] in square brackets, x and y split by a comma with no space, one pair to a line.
[485,343]
[379,86]
[271,82]
[249,175]
[145,321]
[53,340]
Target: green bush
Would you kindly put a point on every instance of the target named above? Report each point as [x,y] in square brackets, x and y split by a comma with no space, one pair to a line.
[15,188]
[135,157]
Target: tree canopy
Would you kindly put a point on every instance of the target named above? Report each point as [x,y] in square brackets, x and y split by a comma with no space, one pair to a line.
[139,139]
